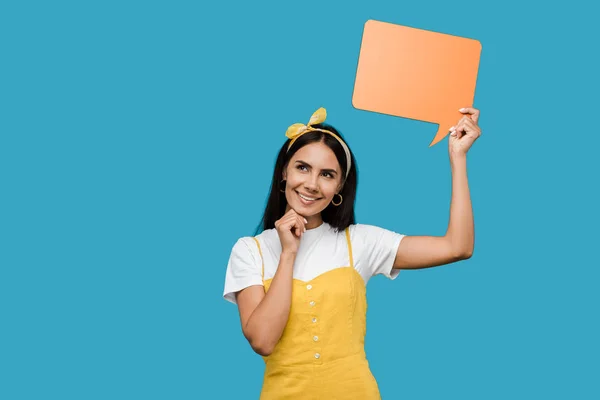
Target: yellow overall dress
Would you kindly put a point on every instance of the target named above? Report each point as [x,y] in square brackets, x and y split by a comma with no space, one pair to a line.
[321,352]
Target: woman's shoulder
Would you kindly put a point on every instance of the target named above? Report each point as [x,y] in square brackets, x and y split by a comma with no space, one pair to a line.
[267,236]
[362,228]
[247,250]
[265,239]
[363,231]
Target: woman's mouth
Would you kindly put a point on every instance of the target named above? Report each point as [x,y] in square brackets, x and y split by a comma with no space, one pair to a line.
[306,199]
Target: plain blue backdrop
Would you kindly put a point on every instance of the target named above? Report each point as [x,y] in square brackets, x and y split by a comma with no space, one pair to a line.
[137,141]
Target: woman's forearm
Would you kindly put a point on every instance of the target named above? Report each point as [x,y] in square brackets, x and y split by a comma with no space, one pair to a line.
[461,226]
[267,322]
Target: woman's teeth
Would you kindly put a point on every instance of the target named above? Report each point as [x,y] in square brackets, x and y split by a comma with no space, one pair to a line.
[306,198]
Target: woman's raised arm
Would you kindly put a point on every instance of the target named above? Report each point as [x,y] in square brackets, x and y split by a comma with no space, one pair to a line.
[459,241]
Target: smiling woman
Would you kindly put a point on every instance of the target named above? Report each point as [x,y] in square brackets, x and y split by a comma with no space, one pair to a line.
[312,180]
[300,283]
[310,164]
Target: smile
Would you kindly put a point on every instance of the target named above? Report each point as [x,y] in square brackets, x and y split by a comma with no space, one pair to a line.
[307,199]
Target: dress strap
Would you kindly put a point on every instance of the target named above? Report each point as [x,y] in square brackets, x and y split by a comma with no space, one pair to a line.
[261,258]
[349,247]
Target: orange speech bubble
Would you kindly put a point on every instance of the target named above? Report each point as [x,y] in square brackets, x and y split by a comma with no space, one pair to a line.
[417,74]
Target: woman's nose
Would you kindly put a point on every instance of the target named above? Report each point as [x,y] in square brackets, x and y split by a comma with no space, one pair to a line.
[312,183]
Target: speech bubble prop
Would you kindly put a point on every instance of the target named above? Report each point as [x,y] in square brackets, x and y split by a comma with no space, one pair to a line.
[416,74]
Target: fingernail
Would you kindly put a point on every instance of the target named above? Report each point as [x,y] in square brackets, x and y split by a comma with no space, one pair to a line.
[305,220]
[452,129]
[461,110]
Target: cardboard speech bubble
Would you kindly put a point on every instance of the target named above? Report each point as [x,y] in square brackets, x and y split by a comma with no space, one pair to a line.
[417,74]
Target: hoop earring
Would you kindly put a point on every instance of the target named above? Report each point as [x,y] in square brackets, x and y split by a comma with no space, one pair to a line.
[282,191]
[341,200]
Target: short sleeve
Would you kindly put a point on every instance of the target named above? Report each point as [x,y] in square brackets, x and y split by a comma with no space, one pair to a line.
[375,250]
[244,268]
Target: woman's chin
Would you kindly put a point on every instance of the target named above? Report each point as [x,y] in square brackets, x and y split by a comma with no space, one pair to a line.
[305,210]
[311,213]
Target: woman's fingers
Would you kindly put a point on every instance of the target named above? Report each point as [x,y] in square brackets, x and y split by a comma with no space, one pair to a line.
[300,223]
[472,115]
[468,126]
[293,222]
[473,112]
[464,124]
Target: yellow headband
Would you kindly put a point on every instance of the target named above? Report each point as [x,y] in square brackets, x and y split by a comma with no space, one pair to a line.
[297,130]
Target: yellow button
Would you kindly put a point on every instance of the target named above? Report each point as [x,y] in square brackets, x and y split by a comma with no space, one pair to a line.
[309,287]
[317,355]
[312,303]
[314,320]
[315,338]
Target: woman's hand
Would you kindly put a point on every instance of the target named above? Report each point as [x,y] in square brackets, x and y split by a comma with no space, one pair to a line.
[464,133]
[290,228]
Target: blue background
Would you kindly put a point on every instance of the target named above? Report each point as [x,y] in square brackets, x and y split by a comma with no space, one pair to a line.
[137,141]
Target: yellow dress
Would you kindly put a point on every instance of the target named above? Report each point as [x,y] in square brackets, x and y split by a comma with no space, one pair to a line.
[321,353]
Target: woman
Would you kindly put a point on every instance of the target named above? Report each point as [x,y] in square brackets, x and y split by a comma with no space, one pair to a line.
[300,284]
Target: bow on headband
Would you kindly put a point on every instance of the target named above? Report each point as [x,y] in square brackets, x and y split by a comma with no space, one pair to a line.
[298,129]
[318,117]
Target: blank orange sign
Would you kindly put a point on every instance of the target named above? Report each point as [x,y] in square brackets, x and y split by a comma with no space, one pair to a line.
[417,74]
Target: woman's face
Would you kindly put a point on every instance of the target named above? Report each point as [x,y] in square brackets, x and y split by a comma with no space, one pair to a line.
[313,176]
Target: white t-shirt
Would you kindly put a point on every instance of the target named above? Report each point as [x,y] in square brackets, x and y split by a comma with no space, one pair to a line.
[321,249]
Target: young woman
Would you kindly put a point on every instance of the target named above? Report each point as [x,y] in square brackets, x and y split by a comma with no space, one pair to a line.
[300,284]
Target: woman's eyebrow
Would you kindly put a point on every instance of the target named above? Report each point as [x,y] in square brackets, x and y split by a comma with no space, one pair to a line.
[324,170]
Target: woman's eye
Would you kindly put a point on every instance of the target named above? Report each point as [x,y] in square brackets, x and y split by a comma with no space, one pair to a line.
[303,167]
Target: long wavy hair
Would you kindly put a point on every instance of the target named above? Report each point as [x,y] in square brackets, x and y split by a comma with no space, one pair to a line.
[339,217]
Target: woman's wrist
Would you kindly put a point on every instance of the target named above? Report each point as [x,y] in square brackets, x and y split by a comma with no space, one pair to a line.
[288,253]
[458,159]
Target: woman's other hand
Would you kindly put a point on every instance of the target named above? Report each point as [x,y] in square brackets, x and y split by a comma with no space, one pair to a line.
[464,133]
